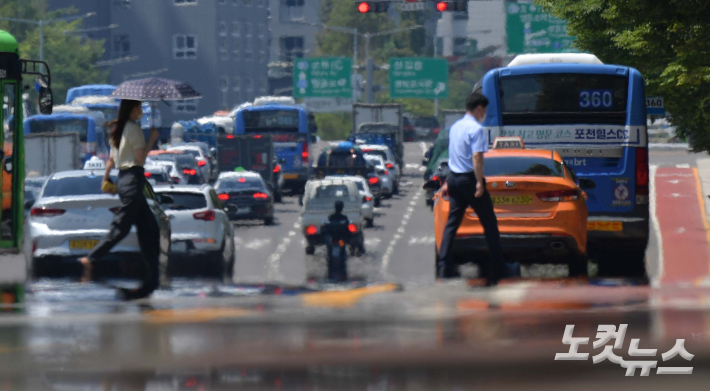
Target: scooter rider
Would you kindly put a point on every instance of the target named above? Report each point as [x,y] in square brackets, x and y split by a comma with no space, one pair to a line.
[336,229]
[338,217]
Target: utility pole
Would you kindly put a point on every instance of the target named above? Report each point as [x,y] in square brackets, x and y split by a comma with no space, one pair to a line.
[41,23]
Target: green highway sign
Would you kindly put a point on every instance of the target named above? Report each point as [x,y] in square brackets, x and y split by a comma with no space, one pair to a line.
[323,77]
[530,30]
[415,77]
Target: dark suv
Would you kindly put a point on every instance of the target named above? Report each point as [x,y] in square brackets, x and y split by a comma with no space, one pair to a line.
[426,128]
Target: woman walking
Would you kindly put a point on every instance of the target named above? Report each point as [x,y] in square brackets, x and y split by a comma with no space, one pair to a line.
[128,153]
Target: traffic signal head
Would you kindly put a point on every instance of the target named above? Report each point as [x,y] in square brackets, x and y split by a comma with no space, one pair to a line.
[454,6]
[365,7]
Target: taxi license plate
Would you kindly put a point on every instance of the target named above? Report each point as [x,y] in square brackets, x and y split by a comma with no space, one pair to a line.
[613,226]
[512,200]
[82,244]
[290,176]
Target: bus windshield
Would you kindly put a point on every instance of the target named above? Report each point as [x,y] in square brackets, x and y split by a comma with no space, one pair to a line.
[271,121]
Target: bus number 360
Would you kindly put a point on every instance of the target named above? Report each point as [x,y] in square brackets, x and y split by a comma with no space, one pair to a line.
[595,99]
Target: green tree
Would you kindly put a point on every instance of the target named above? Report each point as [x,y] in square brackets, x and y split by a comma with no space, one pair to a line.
[71,58]
[667,41]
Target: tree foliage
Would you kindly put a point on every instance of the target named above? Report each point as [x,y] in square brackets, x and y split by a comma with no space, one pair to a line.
[668,41]
[71,57]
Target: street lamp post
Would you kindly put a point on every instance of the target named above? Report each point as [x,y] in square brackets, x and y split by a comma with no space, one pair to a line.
[41,23]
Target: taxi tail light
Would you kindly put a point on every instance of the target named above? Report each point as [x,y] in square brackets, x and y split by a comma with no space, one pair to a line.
[304,154]
[390,166]
[642,176]
[560,195]
[189,171]
[311,230]
[262,196]
[352,228]
[148,175]
[207,215]
[201,163]
[374,180]
[46,212]
[223,197]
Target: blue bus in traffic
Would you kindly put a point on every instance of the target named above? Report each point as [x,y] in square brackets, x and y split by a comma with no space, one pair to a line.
[594,116]
[92,138]
[289,127]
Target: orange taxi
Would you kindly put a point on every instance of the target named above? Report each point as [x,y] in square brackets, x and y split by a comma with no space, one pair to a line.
[541,211]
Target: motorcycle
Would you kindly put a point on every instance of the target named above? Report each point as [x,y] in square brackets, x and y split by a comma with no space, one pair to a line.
[336,237]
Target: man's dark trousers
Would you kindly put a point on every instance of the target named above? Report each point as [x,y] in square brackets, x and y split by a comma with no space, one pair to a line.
[462,190]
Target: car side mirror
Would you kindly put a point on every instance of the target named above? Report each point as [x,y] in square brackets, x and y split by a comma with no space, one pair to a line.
[229,208]
[586,184]
[46,101]
[165,199]
[7,166]
[432,185]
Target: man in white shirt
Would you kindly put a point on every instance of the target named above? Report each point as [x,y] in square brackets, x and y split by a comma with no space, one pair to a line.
[467,187]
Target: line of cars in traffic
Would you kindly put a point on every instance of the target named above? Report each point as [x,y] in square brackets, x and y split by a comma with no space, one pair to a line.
[67,213]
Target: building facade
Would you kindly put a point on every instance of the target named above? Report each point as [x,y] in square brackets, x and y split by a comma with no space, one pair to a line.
[460,34]
[219,47]
[294,25]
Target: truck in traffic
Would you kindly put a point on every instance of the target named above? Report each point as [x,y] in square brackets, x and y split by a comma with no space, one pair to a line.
[52,152]
[252,153]
[386,113]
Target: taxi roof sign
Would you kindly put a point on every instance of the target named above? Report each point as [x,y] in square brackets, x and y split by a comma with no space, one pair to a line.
[95,163]
[508,143]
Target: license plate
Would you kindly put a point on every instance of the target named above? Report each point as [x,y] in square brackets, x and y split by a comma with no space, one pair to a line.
[243,211]
[512,200]
[82,244]
[613,226]
[290,176]
[179,246]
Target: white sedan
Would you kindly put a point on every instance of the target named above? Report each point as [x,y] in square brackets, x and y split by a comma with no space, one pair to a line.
[385,175]
[203,161]
[389,159]
[69,218]
[368,208]
[202,239]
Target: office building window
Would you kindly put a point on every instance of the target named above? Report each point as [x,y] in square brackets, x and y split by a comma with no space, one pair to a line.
[121,46]
[222,28]
[291,10]
[262,30]
[185,2]
[236,29]
[262,55]
[237,89]
[291,47]
[263,88]
[185,106]
[261,3]
[248,49]
[236,44]
[247,3]
[121,3]
[184,47]
[459,47]
[224,87]
[250,88]
[249,29]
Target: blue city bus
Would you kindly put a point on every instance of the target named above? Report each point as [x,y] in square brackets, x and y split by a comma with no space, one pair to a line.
[92,139]
[594,116]
[289,127]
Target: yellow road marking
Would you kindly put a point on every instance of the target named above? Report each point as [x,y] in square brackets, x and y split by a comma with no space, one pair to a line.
[703,216]
[344,298]
[194,315]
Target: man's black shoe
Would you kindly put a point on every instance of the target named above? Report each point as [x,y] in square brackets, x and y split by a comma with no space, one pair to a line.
[126,294]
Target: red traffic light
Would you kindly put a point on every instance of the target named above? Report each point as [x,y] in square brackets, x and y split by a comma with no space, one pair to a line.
[363,7]
[441,6]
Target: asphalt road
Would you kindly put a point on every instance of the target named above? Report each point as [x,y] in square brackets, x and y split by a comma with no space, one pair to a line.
[276,327]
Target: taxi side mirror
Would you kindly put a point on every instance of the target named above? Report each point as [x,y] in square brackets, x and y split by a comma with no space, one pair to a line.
[586,184]
[433,185]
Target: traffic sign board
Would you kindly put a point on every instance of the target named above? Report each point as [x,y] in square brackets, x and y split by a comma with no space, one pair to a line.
[655,106]
[325,77]
[530,30]
[413,77]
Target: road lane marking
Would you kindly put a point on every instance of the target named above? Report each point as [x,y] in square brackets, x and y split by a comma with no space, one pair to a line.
[387,257]
[703,211]
[423,240]
[656,225]
[256,244]
[423,145]
[344,298]
[372,242]
[274,261]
